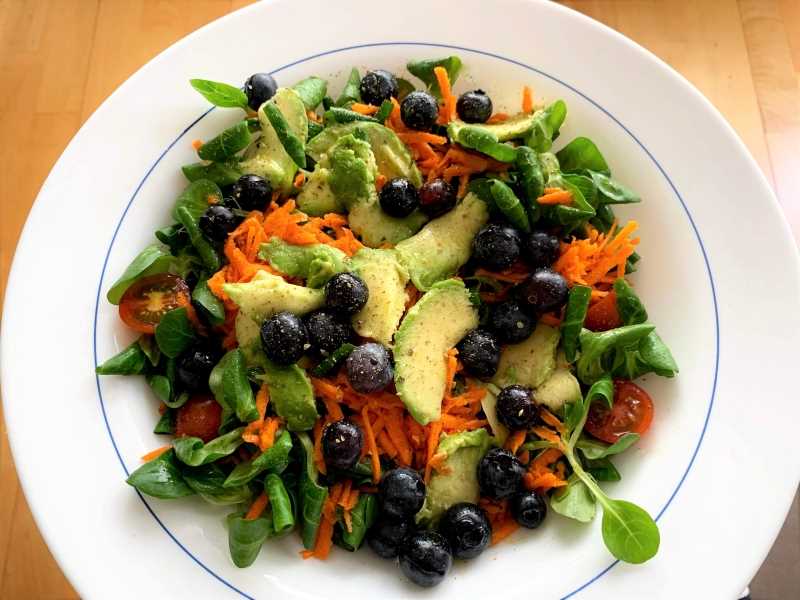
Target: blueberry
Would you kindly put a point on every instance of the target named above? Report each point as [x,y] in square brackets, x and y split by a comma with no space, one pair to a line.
[217,222]
[510,322]
[369,368]
[346,293]
[284,338]
[342,442]
[466,528]
[327,330]
[516,408]
[528,509]
[496,247]
[377,86]
[425,558]
[259,88]
[541,249]
[479,352]
[543,291]
[252,192]
[436,197]
[194,366]
[499,474]
[401,493]
[399,198]
[419,111]
[474,106]
[386,536]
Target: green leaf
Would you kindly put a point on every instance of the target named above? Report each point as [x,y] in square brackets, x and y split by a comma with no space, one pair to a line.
[274,460]
[593,449]
[245,537]
[384,111]
[220,94]
[531,178]
[150,261]
[312,494]
[336,358]
[161,386]
[174,236]
[222,147]
[221,173]
[581,153]
[577,306]
[362,518]
[210,305]
[174,333]
[655,353]
[546,126]
[194,452]
[311,91]
[602,469]
[336,114]
[611,191]
[236,387]
[294,146]
[594,345]
[574,501]
[148,345]
[575,412]
[160,478]
[423,69]
[352,89]
[508,203]
[131,361]
[630,308]
[629,531]
[196,198]
[208,481]
[586,186]
[281,505]
[205,250]
[166,424]
[404,88]
[314,128]
[484,141]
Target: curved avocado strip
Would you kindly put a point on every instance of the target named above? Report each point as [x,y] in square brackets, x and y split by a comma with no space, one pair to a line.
[376,228]
[433,325]
[458,480]
[386,280]
[267,156]
[489,406]
[516,127]
[561,387]
[268,294]
[443,245]
[315,263]
[392,156]
[529,363]
[316,197]
[291,395]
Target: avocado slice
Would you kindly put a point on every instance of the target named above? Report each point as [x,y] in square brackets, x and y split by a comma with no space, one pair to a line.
[458,480]
[316,198]
[266,156]
[529,363]
[489,406]
[433,325]
[268,294]
[316,263]
[561,387]
[291,394]
[517,126]
[386,280]
[443,245]
[376,228]
[391,155]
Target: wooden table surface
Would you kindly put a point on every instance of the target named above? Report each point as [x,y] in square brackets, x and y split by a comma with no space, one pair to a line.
[59,59]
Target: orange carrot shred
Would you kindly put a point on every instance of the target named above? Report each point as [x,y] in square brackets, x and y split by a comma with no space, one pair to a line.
[257,508]
[498,118]
[527,99]
[363,109]
[504,530]
[558,197]
[299,180]
[515,440]
[372,445]
[434,431]
[197,144]
[153,454]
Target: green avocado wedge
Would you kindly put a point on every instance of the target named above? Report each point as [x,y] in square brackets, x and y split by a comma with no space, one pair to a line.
[433,325]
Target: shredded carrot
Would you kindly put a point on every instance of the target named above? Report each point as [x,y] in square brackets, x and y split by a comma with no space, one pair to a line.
[524,457]
[422,137]
[319,460]
[550,419]
[527,99]
[546,434]
[257,508]
[299,180]
[322,545]
[592,260]
[438,462]
[556,197]
[463,184]
[448,110]
[516,273]
[363,109]
[313,116]
[515,440]
[498,118]
[394,429]
[267,438]
[153,454]
[380,181]
[550,319]
[197,144]
[372,445]
[505,529]
[434,431]
[451,358]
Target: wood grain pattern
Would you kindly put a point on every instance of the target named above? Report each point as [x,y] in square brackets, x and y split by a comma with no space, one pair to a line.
[60,58]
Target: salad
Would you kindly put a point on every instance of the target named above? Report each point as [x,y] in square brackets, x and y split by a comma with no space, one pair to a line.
[396,317]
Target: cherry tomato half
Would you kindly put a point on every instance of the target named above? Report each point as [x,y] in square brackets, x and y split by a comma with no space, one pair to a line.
[199,417]
[603,315]
[146,301]
[632,413]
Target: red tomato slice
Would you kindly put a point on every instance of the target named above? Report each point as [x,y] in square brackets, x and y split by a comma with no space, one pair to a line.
[632,413]
[146,301]
[199,417]
[603,315]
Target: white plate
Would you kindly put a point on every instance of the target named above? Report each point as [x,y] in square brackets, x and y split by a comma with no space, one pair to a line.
[719,276]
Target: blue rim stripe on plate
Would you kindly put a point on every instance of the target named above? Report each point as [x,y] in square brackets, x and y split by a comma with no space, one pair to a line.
[449,47]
